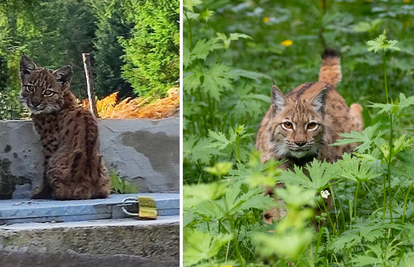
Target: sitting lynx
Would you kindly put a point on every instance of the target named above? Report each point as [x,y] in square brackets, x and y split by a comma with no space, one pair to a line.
[303,124]
[73,167]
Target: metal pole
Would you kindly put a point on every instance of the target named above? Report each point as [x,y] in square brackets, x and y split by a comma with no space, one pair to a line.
[89,83]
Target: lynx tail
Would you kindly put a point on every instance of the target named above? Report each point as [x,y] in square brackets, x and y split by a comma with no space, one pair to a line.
[330,71]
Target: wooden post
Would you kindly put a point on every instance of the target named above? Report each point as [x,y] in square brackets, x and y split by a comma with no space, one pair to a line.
[89,83]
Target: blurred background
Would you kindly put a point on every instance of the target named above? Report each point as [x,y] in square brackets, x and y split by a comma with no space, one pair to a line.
[134,45]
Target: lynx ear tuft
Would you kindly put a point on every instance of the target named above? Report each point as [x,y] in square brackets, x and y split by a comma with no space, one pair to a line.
[27,66]
[319,101]
[63,75]
[278,100]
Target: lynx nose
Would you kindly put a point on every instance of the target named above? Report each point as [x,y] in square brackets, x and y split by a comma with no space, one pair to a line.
[300,143]
[35,102]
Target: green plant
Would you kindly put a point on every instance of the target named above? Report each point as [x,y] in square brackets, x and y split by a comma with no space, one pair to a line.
[152,51]
[121,186]
[370,223]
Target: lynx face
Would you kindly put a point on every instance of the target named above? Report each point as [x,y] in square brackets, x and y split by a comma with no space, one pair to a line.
[299,124]
[42,89]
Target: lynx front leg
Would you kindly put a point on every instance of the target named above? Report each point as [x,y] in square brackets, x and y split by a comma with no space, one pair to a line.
[45,191]
[274,213]
[357,123]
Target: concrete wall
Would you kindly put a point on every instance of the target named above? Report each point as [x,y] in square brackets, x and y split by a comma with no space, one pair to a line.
[143,152]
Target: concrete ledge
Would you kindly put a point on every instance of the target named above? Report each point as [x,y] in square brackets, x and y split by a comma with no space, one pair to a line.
[22,259]
[103,243]
[21,211]
[143,152]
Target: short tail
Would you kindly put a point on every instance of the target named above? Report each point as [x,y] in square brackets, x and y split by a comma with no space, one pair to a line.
[330,71]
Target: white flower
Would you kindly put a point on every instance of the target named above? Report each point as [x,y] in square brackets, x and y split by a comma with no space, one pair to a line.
[325,193]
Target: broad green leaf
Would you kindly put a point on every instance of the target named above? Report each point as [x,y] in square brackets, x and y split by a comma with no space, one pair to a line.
[206,15]
[296,196]
[190,4]
[200,246]
[367,26]
[186,57]
[216,78]
[188,217]
[232,37]
[219,168]
[248,74]
[346,240]
[356,169]
[220,140]
[320,173]
[382,43]
[366,138]
[361,261]
[394,108]
[198,150]
[194,194]
[285,245]
[253,199]
[203,48]
[192,80]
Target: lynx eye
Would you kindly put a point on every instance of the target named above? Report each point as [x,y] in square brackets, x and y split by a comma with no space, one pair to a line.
[312,126]
[48,92]
[287,125]
[29,88]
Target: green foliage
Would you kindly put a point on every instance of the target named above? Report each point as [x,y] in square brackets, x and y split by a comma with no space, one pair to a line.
[121,186]
[134,45]
[110,25]
[231,50]
[152,51]
[382,43]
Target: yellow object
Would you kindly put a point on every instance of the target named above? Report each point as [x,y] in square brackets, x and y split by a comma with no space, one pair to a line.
[266,19]
[287,43]
[147,208]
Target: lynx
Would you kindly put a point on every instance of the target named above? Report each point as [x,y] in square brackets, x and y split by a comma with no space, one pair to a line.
[302,125]
[73,167]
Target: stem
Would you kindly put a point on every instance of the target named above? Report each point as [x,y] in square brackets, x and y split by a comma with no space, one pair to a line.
[190,34]
[329,217]
[390,142]
[385,197]
[370,193]
[405,202]
[385,74]
[227,252]
[233,232]
[356,197]
[389,170]
[204,117]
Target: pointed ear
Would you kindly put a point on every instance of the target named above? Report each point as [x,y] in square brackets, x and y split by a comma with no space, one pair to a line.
[319,101]
[63,75]
[278,100]
[27,66]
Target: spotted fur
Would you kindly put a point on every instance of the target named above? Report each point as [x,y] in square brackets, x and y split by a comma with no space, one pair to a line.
[73,167]
[316,113]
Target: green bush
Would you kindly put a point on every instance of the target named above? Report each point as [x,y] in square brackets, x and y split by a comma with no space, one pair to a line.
[152,51]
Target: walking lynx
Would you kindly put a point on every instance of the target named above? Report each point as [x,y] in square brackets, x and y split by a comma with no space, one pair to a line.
[73,167]
[302,125]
